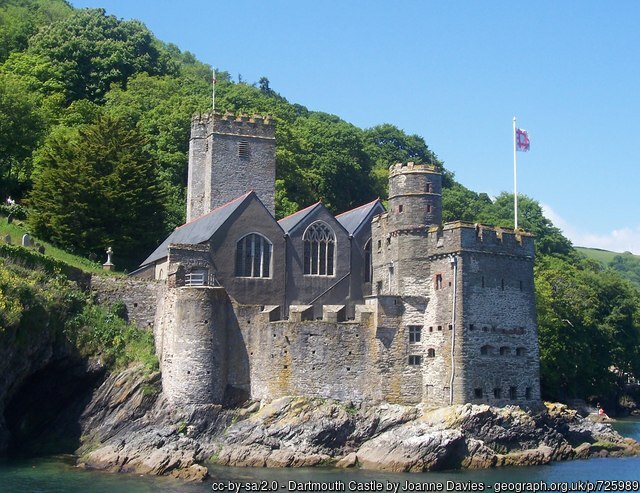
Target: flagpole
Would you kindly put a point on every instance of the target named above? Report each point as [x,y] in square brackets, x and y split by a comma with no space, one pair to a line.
[515,177]
[213,93]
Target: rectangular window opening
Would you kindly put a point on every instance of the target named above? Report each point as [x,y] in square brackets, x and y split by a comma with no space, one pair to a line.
[415,333]
[415,359]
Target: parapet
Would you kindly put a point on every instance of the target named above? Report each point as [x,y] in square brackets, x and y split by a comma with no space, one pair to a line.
[460,235]
[412,167]
[241,124]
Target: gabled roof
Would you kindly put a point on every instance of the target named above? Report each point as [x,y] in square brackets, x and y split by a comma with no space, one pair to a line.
[200,229]
[290,222]
[353,219]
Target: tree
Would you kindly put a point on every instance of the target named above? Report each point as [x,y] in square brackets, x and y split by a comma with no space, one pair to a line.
[20,19]
[94,51]
[549,239]
[22,125]
[386,144]
[98,188]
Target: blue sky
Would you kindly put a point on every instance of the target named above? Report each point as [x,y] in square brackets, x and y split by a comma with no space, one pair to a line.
[456,73]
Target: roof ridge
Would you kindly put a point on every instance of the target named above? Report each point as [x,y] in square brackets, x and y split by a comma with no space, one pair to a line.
[241,197]
[301,210]
[359,207]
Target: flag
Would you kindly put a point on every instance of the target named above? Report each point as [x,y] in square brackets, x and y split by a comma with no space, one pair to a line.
[522,140]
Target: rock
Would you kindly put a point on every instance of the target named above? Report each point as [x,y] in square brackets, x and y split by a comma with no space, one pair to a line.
[349,460]
[128,426]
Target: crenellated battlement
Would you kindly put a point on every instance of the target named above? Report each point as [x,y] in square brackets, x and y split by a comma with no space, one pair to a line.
[412,167]
[473,237]
[241,124]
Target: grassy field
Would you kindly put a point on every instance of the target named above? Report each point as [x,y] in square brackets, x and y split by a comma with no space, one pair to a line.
[16,229]
[603,256]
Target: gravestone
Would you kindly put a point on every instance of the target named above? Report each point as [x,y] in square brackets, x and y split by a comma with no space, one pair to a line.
[7,239]
[93,257]
[26,240]
[41,249]
[108,265]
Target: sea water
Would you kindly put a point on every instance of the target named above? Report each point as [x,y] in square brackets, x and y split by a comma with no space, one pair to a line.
[59,475]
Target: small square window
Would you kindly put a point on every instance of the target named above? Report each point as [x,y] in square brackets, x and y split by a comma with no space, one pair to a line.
[415,359]
[400,208]
[477,393]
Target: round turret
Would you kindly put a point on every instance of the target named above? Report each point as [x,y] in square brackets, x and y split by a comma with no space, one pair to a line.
[415,195]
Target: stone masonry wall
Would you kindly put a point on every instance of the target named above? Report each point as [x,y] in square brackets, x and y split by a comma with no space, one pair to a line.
[139,296]
[194,348]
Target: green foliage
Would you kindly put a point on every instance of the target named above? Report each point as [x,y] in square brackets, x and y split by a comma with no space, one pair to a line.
[98,188]
[33,299]
[588,324]
[94,51]
[16,211]
[549,239]
[628,266]
[20,19]
[98,330]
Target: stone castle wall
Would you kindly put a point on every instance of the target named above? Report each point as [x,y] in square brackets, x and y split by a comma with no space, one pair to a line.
[138,295]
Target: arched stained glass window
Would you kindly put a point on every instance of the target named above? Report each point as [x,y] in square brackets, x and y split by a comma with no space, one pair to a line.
[319,249]
[253,256]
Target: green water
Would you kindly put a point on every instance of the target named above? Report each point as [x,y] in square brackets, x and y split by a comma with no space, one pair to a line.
[58,475]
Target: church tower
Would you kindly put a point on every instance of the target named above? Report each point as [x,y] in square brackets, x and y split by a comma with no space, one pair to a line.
[229,156]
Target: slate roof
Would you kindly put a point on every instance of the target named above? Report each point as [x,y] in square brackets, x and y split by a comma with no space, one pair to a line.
[198,230]
[353,219]
[290,222]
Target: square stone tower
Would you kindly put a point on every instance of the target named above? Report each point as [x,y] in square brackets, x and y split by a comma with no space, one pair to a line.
[229,156]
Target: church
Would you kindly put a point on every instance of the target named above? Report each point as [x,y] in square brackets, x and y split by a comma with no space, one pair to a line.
[369,305]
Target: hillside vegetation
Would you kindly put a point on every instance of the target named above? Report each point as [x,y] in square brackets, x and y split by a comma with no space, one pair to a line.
[95,117]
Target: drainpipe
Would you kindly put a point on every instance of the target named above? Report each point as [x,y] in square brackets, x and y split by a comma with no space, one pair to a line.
[454,263]
[285,309]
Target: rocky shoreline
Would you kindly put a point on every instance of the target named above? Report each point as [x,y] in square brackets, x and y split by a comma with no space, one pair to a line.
[129,427]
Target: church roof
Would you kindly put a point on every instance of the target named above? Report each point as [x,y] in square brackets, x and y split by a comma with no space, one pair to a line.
[198,230]
[353,219]
[290,222]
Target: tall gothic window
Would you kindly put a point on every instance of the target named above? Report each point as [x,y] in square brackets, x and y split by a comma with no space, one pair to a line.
[319,249]
[368,267]
[253,256]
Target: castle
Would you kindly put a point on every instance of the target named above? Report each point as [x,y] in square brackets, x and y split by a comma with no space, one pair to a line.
[371,305]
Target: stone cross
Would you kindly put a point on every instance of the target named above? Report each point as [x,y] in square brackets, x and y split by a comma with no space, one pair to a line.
[108,265]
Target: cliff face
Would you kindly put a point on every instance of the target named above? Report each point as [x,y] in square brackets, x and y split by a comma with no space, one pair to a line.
[40,373]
